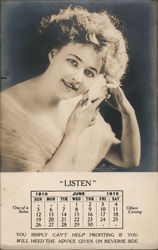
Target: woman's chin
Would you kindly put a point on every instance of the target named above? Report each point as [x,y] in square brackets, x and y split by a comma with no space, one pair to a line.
[67,96]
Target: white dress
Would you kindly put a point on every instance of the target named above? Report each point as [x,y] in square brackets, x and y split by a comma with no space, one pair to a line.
[27,146]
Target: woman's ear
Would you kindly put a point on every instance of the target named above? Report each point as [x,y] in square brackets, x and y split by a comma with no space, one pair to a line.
[52,54]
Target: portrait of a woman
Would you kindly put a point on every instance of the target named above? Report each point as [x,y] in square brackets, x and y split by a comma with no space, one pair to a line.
[52,122]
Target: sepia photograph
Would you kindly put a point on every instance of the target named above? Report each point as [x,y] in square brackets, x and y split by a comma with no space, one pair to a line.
[78,124]
[77,91]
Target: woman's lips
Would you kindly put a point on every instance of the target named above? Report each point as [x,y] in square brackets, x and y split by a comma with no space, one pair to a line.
[69,85]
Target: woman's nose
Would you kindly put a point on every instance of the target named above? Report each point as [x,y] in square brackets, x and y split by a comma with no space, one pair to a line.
[78,77]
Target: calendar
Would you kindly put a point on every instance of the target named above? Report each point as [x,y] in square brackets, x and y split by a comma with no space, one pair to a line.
[76,209]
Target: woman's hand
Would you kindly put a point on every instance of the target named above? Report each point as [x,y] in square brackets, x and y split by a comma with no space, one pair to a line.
[79,120]
[82,118]
[117,99]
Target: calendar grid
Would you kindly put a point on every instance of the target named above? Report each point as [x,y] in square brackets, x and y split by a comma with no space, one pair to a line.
[77,209]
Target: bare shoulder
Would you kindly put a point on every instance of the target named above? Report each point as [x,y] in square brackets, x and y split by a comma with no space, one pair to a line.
[19,93]
[16,90]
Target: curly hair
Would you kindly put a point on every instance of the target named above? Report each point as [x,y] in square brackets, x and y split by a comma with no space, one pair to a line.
[76,24]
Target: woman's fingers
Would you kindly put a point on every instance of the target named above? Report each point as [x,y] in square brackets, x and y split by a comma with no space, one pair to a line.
[96,103]
[92,123]
[111,80]
[93,117]
[118,93]
[118,99]
[85,96]
[111,86]
[121,92]
[79,107]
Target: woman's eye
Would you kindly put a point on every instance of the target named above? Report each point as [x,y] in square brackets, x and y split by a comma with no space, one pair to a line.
[89,73]
[73,62]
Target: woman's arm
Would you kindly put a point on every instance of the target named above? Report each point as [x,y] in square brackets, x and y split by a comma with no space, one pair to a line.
[125,153]
[77,122]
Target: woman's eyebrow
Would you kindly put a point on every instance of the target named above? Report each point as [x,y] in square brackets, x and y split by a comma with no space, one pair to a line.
[94,69]
[78,58]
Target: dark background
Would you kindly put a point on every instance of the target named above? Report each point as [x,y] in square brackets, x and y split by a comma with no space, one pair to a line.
[20,50]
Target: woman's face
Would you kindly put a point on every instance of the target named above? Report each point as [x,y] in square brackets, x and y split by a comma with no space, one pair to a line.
[73,70]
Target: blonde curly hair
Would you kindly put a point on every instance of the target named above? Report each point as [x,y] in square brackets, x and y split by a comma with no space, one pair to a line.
[77,24]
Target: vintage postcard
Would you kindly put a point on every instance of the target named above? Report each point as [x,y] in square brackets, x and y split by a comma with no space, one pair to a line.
[78,126]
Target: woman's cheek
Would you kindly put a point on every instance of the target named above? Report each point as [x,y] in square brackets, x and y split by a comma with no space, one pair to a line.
[85,87]
[64,68]
[89,83]
[68,67]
